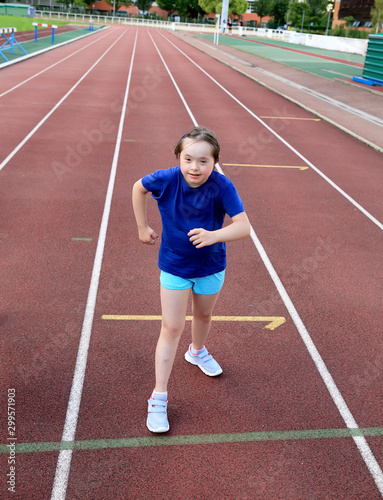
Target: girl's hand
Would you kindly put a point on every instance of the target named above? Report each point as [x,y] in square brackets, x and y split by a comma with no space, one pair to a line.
[239,228]
[147,235]
[201,238]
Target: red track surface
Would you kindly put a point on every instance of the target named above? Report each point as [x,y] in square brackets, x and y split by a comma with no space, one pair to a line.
[326,252]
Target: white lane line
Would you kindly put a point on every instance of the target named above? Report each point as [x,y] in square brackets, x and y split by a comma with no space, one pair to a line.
[363,447]
[334,102]
[336,395]
[53,65]
[41,122]
[174,83]
[69,432]
[303,158]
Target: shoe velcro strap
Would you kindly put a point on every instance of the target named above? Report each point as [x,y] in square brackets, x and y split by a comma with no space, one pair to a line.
[157,406]
[206,357]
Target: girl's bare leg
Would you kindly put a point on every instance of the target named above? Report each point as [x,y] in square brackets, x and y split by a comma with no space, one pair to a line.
[203,306]
[174,304]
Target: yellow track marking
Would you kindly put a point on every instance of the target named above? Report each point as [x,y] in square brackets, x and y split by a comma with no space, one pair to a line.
[291,118]
[273,321]
[263,166]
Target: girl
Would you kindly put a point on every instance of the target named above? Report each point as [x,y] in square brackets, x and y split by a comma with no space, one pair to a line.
[193,199]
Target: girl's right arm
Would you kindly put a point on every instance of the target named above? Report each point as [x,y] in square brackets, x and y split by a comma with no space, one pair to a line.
[145,233]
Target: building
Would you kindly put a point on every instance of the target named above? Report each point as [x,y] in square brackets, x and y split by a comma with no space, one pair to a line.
[360,10]
[16,9]
[99,5]
[102,7]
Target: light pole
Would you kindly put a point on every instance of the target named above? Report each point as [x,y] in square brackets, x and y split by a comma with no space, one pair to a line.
[303,19]
[224,13]
[329,10]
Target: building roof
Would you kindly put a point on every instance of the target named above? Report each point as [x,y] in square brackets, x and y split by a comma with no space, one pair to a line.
[100,5]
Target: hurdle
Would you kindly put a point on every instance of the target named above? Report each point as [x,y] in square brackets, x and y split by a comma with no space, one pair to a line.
[45,26]
[9,41]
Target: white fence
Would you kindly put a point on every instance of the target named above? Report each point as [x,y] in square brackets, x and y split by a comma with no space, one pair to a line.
[348,45]
[101,19]
[341,44]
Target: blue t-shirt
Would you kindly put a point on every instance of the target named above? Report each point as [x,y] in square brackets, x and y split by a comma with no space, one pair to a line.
[183,208]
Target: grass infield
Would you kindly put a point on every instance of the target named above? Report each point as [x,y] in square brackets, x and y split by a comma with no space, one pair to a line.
[25,23]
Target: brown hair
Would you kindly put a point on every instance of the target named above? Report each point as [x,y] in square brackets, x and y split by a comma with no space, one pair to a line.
[199,134]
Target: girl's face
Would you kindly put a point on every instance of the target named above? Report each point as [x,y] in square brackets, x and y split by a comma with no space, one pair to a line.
[196,161]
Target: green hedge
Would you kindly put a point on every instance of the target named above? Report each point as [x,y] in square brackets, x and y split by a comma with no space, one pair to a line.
[350,33]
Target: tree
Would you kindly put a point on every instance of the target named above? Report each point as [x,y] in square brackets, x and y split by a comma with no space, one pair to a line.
[168,5]
[236,7]
[296,12]
[188,8]
[349,22]
[143,5]
[263,8]
[377,15]
[317,7]
[210,6]
[279,11]
[69,3]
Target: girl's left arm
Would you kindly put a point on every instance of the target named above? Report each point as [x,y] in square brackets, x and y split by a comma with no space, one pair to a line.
[238,229]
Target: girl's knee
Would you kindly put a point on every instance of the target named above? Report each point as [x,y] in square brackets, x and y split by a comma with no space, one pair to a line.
[171,330]
[203,316]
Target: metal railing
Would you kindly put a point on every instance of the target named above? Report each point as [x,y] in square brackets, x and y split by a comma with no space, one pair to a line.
[319,41]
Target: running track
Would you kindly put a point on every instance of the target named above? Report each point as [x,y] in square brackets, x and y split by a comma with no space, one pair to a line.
[297,413]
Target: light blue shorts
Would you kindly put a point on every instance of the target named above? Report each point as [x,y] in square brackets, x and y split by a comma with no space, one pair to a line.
[207,285]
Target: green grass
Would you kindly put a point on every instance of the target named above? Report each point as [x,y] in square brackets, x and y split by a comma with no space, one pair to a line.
[25,23]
